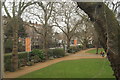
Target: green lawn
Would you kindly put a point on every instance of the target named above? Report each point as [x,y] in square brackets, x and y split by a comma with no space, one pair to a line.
[94,50]
[83,68]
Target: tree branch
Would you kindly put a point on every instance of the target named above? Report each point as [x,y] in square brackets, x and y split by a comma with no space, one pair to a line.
[5,8]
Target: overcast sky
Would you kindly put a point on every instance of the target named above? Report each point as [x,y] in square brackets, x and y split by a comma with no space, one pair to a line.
[8,4]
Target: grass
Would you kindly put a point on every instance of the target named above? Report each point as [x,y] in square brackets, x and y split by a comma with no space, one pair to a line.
[83,68]
[94,50]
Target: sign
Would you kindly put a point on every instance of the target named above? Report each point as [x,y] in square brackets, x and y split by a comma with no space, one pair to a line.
[75,42]
[28,44]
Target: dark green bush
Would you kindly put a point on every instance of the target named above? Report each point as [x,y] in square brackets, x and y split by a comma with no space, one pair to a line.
[50,52]
[74,49]
[59,52]
[90,46]
[23,57]
[38,52]
[8,45]
[56,53]
[7,63]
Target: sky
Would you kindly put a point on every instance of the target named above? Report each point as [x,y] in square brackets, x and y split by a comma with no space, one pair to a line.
[31,18]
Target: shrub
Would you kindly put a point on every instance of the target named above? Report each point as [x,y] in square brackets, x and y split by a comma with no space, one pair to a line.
[50,52]
[56,53]
[90,46]
[7,63]
[22,57]
[37,52]
[74,49]
[8,45]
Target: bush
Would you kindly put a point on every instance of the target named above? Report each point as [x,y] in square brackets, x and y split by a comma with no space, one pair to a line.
[56,53]
[37,52]
[74,49]
[90,46]
[50,52]
[23,57]
[7,62]
[8,45]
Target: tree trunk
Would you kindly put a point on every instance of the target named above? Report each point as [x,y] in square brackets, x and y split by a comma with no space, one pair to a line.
[97,49]
[45,48]
[68,44]
[85,44]
[15,45]
[105,22]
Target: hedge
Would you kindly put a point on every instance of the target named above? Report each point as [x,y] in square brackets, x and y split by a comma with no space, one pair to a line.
[74,49]
[56,53]
[37,55]
[29,59]
[23,57]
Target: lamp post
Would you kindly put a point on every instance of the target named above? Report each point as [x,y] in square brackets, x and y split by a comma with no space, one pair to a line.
[1,46]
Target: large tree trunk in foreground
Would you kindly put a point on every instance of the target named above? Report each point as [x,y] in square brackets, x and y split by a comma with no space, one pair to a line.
[105,22]
[15,45]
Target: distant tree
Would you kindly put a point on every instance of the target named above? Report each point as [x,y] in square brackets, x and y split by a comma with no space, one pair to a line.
[85,32]
[44,18]
[66,15]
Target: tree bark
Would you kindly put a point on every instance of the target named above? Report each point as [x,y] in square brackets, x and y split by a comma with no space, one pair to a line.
[97,47]
[68,44]
[15,44]
[85,43]
[108,30]
[45,46]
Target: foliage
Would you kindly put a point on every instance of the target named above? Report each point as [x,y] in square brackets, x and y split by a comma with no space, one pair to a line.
[50,52]
[23,57]
[74,49]
[90,46]
[8,45]
[37,52]
[21,48]
[8,30]
[58,52]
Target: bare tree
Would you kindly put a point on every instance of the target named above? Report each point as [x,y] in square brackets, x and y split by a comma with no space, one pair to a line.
[14,10]
[42,14]
[67,19]
[85,32]
[114,5]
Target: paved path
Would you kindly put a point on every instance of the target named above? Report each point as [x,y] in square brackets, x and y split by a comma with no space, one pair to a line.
[37,66]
